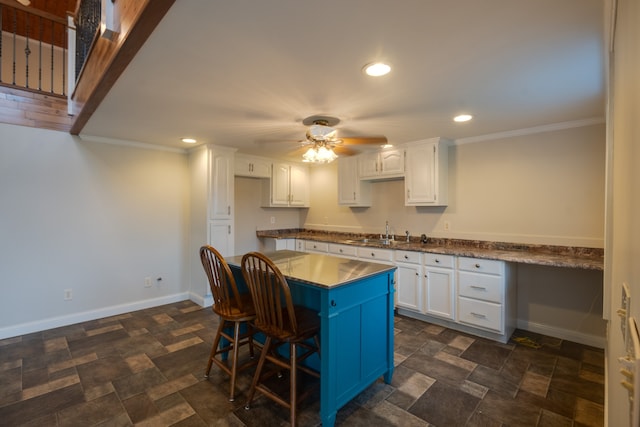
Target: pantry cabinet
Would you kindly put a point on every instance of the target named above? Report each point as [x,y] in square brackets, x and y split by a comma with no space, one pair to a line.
[211,210]
[426,172]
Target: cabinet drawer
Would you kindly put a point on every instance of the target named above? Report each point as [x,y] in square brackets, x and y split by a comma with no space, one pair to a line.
[481,286]
[316,246]
[487,266]
[439,260]
[345,250]
[410,257]
[375,254]
[483,314]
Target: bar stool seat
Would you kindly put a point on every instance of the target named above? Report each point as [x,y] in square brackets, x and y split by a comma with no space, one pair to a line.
[291,331]
[236,313]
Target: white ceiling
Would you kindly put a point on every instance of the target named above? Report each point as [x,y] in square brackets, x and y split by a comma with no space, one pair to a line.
[244,73]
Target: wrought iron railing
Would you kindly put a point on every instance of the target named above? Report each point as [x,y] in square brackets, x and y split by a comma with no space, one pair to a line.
[87,22]
[33,49]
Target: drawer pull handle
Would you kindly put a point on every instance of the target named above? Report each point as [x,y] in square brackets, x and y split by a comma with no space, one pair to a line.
[478,315]
[477,265]
[479,288]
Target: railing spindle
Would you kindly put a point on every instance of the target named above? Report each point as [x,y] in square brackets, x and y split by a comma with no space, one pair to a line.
[40,53]
[27,52]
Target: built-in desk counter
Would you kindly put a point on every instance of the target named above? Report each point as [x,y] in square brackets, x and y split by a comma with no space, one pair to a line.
[354,300]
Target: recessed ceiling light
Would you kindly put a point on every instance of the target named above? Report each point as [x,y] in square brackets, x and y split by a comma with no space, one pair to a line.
[462,118]
[188,140]
[377,69]
[386,145]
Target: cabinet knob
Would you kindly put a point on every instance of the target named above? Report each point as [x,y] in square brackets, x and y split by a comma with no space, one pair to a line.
[333,303]
[373,255]
[406,257]
[340,250]
[437,261]
[477,265]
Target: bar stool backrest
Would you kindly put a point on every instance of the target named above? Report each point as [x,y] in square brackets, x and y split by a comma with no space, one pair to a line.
[226,298]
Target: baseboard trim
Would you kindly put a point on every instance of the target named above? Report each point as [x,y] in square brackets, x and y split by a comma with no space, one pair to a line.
[202,301]
[70,319]
[565,334]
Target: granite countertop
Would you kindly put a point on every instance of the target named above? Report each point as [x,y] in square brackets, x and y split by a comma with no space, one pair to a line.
[555,256]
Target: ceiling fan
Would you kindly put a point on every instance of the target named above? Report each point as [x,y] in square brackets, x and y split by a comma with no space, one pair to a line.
[322,140]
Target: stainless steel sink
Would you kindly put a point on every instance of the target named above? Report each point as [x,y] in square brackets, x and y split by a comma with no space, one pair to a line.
[383,242]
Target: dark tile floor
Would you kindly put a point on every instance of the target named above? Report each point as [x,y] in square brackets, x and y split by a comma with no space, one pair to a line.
[146,368]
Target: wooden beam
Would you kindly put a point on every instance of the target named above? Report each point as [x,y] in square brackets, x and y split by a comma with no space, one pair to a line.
[108,59]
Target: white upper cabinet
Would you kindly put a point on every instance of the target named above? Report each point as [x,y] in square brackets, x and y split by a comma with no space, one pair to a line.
[351,190]
[382,164]
[426,172]
[288,186]
[253,167]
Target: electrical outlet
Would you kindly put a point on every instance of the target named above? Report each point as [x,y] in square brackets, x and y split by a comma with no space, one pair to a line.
[447,226]
[273,220]
[68,294]
[147,282]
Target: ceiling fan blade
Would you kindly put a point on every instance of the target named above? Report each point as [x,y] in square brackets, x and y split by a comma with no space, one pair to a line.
[364,140]
[344,151]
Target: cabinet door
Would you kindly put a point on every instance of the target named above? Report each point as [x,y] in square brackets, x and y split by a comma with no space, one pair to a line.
[221,237]
[352,191]
[421,174]
[408,286]
[242,166]
[298,186]
[391,162]
[221,186]
[368,165]
[260,168]
[280,185]
[439,292]
[347,180]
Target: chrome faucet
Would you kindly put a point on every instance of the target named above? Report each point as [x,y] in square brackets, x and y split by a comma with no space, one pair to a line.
[407,233]
[386,229]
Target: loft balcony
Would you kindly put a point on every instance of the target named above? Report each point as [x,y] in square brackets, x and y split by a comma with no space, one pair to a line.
[60,59]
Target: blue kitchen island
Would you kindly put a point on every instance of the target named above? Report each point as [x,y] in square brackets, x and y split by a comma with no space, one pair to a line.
[355,302]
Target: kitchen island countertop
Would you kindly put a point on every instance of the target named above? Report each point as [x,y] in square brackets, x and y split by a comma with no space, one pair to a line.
[549,255]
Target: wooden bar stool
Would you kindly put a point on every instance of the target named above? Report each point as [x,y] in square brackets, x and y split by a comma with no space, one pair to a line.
[234,309]
[283,324]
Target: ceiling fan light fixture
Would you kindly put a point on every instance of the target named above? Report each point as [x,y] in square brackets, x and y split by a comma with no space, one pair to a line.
[321,132]
[319,154]
[377,69]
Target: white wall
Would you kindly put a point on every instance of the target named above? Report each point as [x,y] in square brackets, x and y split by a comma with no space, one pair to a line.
[623,198]
[94,218]
[539,188]
[250,216]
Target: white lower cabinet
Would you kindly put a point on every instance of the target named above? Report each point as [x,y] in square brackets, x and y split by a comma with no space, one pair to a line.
[486,296]
[312,246]
[439,288]
[345,251]
[409,280]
